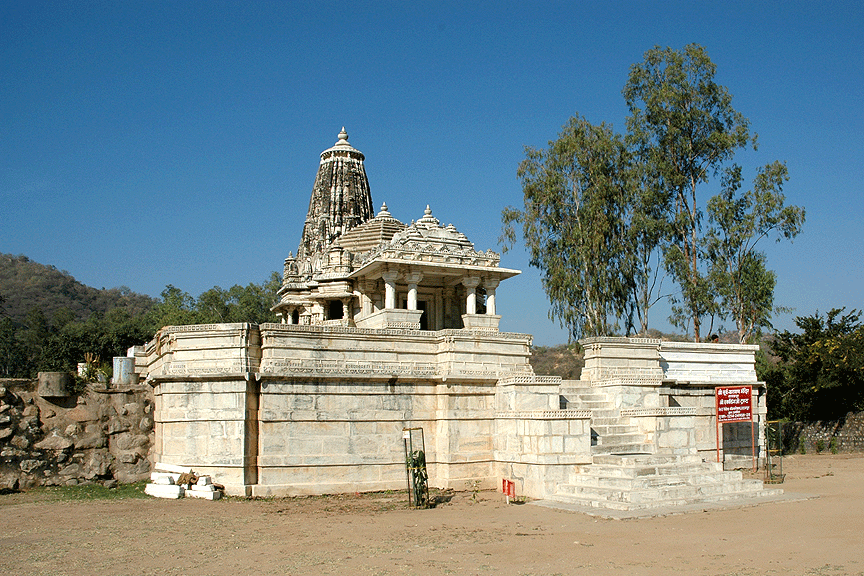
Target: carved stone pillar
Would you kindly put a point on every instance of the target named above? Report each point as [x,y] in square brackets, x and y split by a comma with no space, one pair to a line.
[367,288]
[490,284]
[471,284]
[413,279]
[390,289]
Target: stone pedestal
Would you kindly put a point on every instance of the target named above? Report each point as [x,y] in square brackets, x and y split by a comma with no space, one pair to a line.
[55,384]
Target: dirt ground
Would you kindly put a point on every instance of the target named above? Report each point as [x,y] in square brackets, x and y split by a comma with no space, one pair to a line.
[375,534]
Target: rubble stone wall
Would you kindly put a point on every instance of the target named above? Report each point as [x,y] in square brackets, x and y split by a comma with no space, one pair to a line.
[88,437]
[847,435]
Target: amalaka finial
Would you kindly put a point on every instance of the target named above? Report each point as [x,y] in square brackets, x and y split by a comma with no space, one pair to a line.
[343,137]
[383,212]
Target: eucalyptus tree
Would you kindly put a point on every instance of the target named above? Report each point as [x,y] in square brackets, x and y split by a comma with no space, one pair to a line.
[738,222]
[683,128]
[577,195]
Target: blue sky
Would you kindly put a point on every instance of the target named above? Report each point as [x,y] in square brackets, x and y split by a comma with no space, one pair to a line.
[150,143]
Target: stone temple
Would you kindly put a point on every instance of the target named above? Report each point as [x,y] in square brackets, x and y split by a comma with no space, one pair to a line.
[385,326]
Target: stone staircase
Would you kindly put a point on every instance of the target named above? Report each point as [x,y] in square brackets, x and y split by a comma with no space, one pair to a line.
[609,433]
[627,475]
[634,482]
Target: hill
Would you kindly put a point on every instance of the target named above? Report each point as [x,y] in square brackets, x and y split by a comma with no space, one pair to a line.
[25,285]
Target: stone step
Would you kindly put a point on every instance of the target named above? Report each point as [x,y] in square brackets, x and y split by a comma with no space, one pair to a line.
[622,449]
[583,396]
[610,471]
[742,496]
[666,492]
[693,477]
[614,429]
[626,438]
[647,459]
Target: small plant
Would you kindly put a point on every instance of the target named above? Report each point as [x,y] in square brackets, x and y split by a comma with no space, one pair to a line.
[474,488]
[833,445]
[820,445]
[801,448]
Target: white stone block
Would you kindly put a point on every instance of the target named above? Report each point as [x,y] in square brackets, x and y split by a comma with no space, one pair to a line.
[205,494]
[204,481]
[164,490]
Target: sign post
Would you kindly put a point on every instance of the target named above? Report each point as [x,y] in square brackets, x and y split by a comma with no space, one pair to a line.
[735,404]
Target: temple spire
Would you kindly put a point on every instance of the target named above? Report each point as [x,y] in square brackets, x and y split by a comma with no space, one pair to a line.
[340,199]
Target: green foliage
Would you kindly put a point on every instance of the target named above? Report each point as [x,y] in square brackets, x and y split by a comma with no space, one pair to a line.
[683,128]
[576,195]
[739,221]
[603,215]
[820,373]
[832,445]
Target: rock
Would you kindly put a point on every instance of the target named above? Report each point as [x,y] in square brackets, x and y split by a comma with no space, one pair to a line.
[82,413]
[21,442]
[90,441]
[71,430]
[12,453]
[48,413]
[70,470]
[97,465]
[110,483]
[54,442]
[145,424]
[128,457]
[128,441]
[71,482]
[30,411]
[9,483]
[5,419]
[132,408]
[115,427]
[28,466]
[31,422]
[5,433]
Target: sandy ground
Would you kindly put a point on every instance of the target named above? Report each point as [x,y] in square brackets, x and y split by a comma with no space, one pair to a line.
[374,534]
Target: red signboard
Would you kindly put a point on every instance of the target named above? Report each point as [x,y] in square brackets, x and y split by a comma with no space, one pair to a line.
[508,487]
[734,404]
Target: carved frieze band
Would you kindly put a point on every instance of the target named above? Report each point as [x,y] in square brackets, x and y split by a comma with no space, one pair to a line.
[530,379]
[544,414]
[667,411]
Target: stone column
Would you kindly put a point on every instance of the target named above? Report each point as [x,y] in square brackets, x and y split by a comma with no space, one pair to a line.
[390,289]
[368,287]
[449,303]
[490,284]
[288,317]
[471,284]
[413,279]
[439,310]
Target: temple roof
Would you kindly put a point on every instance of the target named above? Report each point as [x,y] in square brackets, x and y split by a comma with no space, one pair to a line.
[372,234]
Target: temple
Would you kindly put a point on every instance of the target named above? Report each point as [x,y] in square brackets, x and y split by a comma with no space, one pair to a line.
[387,329]
[355,270]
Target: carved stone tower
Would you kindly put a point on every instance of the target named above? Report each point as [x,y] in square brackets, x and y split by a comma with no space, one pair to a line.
[340,199]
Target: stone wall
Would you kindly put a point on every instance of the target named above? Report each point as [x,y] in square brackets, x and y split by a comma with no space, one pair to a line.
[847,434]
[98,435]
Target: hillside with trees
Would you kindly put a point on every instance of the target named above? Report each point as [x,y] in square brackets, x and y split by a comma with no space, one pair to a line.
[50,321]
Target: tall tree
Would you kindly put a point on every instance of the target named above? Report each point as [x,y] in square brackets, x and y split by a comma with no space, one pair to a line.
[684,128]
[576,194]
[738,222]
